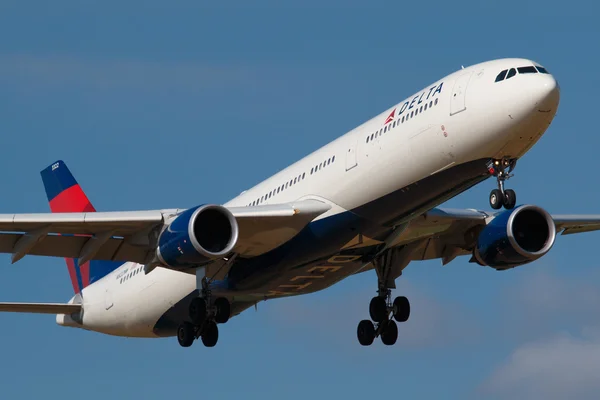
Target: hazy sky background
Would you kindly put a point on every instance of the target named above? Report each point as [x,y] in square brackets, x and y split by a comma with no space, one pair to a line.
[172,104]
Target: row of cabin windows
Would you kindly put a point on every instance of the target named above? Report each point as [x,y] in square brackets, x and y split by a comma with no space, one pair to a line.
[530,69]
[292,182]
[132,273]
[406,117]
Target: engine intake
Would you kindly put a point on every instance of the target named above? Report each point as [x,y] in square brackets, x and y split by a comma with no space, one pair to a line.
[515,237]
[198,235]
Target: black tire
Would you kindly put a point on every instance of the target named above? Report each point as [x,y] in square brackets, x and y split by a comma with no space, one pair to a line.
[185,334]
[496,199]
[378,309]
[510,199]
[390,333]
[365,332]
[210,334]
[223,310]
[401,309]
[197,311]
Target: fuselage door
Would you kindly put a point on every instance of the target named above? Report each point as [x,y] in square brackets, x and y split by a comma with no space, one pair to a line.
[351,156]
[459,92]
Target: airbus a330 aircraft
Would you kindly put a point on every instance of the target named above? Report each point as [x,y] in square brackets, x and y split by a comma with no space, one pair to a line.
[364,201]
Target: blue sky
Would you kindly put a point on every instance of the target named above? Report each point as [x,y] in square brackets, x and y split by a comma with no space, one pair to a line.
[181,103]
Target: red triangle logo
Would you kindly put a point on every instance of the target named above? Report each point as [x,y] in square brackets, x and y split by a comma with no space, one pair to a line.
[390,117]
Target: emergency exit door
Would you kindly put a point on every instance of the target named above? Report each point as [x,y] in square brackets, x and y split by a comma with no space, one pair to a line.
[351,156]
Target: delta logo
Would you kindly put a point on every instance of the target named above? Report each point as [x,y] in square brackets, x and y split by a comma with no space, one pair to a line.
[390,117]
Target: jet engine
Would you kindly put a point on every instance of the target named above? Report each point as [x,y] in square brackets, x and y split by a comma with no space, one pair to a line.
[515,237]
[198,235]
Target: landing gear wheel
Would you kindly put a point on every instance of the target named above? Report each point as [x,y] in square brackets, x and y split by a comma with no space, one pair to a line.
[365,332]
[197,310]
[378,309]
[510,199]
[185,334]
[389,335]
[223,310]
[401,309]
[496,199]
[210,334]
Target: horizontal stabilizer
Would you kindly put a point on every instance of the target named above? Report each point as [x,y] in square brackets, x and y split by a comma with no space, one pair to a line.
[40,308]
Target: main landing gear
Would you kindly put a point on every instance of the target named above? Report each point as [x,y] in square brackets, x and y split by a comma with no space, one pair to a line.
[204,315]
[502,169]
[382,325]
[382,310]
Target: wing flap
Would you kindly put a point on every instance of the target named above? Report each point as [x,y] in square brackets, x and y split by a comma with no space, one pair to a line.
[40,308]
[114,249]
[264,228]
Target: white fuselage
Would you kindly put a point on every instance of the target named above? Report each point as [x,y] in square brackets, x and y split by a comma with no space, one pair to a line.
[463,117]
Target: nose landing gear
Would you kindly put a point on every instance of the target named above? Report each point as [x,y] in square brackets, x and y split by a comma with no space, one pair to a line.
[502,169]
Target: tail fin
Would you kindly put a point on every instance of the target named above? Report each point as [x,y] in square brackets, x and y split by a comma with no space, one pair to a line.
[65,195]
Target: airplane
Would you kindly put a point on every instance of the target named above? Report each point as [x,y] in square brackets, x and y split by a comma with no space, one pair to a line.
[366,201]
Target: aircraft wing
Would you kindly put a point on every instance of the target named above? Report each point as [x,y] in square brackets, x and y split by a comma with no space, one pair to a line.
[570,224]
[132,235]
[40,308]
[448,233]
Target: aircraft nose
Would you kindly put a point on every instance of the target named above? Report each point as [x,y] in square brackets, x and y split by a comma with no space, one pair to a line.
[548,93]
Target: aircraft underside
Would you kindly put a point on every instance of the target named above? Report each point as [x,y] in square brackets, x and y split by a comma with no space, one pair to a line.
[330,249]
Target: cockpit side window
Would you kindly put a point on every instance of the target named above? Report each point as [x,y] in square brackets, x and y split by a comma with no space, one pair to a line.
[527,70]
[542,70]
[501,76]
[511,73]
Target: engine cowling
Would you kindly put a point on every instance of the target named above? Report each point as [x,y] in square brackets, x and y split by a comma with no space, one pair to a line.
[198,235]
[515,237]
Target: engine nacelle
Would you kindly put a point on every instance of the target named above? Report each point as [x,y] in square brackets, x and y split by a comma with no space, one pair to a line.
[515,237]
[197,236]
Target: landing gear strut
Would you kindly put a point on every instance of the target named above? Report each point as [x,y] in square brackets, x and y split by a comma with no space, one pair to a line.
[502,169]
[204,314]
[388,265]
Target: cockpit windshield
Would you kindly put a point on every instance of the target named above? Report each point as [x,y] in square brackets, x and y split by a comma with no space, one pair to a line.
[528,69]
